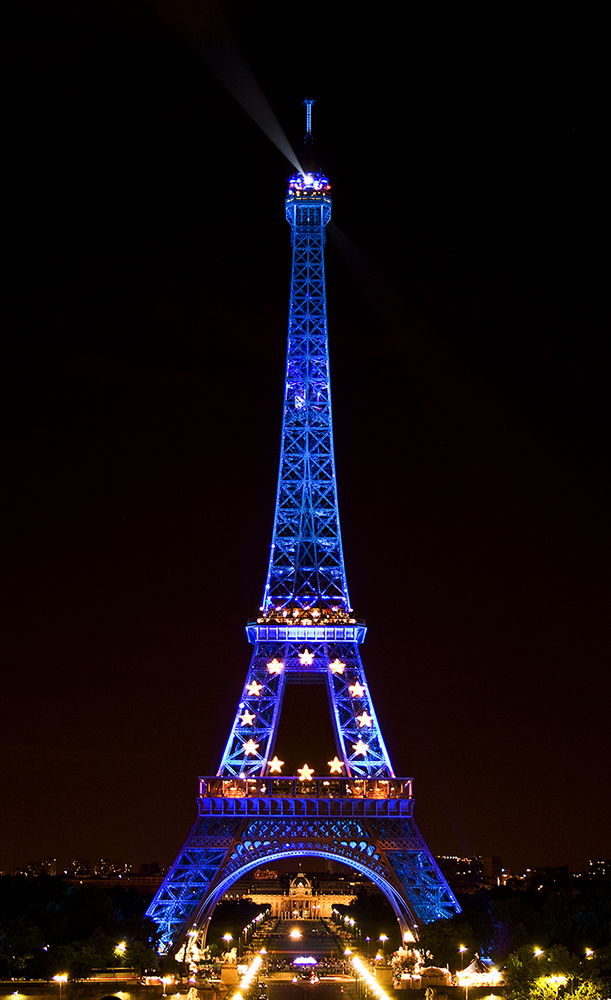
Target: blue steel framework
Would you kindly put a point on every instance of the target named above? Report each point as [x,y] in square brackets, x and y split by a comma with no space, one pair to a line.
[250,814]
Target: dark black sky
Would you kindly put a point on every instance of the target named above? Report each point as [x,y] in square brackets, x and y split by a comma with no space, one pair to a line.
[145,301]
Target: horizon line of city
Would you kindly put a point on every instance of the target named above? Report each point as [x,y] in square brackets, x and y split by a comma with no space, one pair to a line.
[487,867]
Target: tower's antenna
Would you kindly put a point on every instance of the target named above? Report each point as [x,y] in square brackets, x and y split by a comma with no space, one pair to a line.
[309,101]
[308,141]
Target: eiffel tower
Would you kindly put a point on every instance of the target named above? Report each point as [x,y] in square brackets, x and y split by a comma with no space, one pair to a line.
[251,814]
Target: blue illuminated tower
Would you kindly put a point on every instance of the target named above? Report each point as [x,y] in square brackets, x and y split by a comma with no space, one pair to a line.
[360,813]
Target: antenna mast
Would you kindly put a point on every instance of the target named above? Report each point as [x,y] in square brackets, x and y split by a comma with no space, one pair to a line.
[309,101]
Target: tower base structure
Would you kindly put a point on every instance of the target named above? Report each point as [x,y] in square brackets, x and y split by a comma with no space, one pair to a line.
[246,823]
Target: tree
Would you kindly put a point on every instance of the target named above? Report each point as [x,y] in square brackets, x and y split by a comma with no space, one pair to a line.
[79,958]
[141,957]
[440,941]
[551,975]
[22,945]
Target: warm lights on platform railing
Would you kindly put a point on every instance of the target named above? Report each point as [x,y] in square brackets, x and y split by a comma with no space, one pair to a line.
[306,782]
[308,617]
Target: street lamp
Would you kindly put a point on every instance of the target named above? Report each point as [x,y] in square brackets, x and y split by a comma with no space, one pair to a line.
[166,982]
[348,955]
[367,939]
[383,938]
[462,951]
[557,981]
[63,978]
[538,953]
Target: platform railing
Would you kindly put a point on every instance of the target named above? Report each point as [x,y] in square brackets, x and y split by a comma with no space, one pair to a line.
[315,788]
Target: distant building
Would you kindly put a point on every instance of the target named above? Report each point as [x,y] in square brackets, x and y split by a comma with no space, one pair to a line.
[493,869]
[546,877]
[468,874]
[302,900]
[78,868]
[108,869]
[242,889]
[600,868]
[462,874]
[152,869]
[35,868]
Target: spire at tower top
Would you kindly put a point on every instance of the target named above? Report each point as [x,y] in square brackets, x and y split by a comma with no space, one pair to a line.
[309,101]
[308,141]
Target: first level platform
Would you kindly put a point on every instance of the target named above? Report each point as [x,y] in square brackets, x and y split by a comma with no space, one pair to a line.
[291,796]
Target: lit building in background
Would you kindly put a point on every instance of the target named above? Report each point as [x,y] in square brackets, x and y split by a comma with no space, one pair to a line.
[78,868]
[304,899]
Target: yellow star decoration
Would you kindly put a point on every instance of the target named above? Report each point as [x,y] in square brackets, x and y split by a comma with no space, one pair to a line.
[305,772]
[306,658]
[276,666]
[356,690]
[247,718]
[364,719]
[275,766]
[254,689]
[360,747]
[250,747]
[337,667]
[336,765]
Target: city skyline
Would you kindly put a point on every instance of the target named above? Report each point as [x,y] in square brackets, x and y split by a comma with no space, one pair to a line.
[112,868]
[147,298]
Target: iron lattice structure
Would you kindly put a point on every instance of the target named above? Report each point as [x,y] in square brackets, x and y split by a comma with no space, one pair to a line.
[249,814]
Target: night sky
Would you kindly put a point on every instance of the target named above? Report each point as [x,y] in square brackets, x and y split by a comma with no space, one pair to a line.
[145,301]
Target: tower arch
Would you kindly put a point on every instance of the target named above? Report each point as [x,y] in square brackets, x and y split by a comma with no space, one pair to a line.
[405,917]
